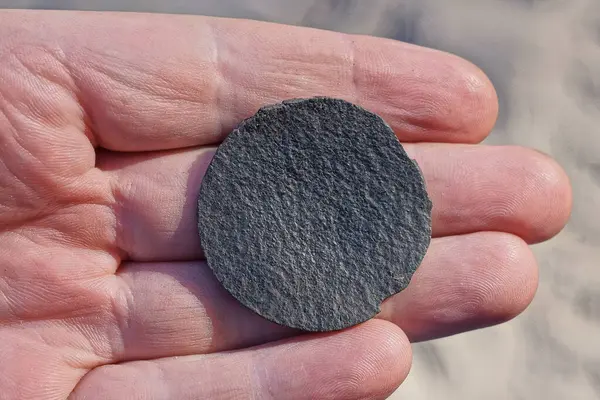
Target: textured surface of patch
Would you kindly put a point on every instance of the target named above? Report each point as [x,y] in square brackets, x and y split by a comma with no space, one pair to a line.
[311,214]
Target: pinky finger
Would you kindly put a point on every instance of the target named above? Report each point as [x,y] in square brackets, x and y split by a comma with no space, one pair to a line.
[366,362]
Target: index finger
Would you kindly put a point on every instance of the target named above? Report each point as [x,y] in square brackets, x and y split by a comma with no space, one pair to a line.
[157,82]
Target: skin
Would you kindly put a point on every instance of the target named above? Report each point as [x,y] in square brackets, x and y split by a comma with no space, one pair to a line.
[107,124]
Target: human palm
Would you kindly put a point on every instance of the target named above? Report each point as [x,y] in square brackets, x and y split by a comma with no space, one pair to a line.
[106,123]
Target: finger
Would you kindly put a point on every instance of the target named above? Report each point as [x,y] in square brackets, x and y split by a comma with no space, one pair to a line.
[469,282]
[473,188]
[464,283]
[156,82]
[369,361]
[494,188]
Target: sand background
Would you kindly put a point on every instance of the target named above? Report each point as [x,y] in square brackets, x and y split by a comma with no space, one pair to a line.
[544,58]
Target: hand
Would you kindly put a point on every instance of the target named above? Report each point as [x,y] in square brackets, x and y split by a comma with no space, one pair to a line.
[106,123]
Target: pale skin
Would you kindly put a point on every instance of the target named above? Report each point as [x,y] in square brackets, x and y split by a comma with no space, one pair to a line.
[107,124]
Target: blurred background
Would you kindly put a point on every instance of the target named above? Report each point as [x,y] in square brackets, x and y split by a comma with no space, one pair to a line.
[544,58]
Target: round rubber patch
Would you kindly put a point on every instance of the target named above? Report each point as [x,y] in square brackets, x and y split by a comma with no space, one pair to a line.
[311,214]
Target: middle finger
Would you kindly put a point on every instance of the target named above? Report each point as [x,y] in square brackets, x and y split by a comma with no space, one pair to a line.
[473,188]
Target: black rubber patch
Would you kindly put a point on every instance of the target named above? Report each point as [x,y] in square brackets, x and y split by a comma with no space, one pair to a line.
[311,214]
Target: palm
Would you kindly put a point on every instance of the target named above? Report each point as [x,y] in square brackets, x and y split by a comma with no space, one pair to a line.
[103,120]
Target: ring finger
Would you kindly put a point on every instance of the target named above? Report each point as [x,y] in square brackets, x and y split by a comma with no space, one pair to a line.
[465,282]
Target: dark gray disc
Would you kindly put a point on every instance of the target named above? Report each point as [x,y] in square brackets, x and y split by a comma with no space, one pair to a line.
[311,214]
